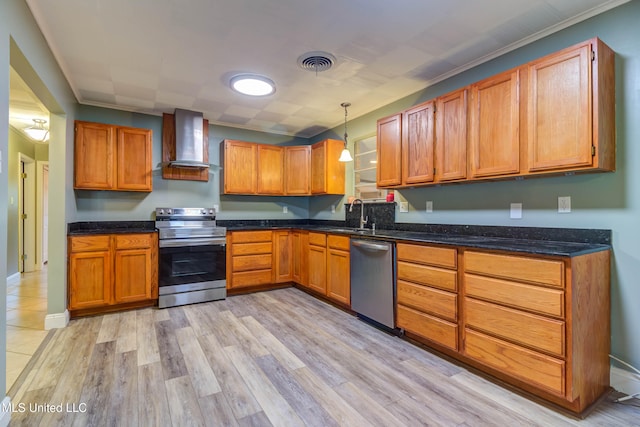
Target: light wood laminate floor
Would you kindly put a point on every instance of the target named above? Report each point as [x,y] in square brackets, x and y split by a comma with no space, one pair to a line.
[279,358]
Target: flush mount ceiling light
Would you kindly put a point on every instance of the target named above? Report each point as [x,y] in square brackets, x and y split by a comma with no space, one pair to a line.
[38,132]
[345,156]
[252,84]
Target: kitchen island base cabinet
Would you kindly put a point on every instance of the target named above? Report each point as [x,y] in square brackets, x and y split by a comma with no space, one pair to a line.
[112,272]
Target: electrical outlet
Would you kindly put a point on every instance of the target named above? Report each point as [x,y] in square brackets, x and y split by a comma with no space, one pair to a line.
[404,206]
[516,211]
[564,204]
[285,209]
[333,208]
[429,206]
[216,208]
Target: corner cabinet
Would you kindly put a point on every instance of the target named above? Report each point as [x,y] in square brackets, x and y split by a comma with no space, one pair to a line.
[109,157]
[109,272]
[327,173]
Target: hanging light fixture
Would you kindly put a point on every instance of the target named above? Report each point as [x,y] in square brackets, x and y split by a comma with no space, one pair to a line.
[345,156]
[38,132]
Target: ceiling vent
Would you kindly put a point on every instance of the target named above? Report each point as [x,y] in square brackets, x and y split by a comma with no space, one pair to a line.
[316,61]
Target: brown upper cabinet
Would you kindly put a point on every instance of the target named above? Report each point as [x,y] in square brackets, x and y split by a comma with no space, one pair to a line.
[452,136]
[553,115]
[495,125]
[297,165]
[109,157]
[270,169]
[327,173]
[418,141]
[263,169]
[239,166]
[571,120]
[389,148]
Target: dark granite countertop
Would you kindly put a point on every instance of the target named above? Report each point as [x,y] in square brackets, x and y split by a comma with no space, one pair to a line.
[110,227]
[524,244]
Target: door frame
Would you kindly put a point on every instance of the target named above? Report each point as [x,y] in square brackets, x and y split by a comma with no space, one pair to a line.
[27,204]
[41,198]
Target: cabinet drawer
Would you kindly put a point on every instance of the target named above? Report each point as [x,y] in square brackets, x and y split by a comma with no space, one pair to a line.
[533,270]
[544,371]
[518,326]
[251,278]
[134,241]
[251,236]
[429,327]
[433,301]
[443,257]
[251,248]
[251,262]
[338,242]
[89,243]
[529,297]
[432,276]
[318,239]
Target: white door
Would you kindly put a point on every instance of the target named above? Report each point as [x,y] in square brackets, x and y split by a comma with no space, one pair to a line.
[27,214]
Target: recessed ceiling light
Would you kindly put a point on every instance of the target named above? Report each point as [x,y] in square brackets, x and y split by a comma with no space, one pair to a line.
[252,84]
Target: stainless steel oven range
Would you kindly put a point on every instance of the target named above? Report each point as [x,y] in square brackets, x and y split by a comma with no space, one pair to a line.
[192,256]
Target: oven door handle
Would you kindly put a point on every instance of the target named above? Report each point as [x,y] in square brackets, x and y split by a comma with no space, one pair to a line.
[176,243]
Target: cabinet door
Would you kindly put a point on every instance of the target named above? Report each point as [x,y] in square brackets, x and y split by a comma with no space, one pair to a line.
[338,276]
[89,279]
[239,167]
[297,166]
[560,121]
[133,168]
[418,136]
[451,136]
[327,173]
[495,130]
[283,256]
[270,169]
[318,269]
[389,148]
[94,156]
[133,275]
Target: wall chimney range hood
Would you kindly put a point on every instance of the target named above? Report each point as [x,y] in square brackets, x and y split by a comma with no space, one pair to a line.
[189,148]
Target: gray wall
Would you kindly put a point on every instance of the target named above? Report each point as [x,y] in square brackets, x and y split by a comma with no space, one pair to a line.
[23,47]
[113,205]
[604,200]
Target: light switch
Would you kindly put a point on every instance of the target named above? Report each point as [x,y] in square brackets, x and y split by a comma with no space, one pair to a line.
[516,211]
[285,209]
[564,204]
[429,206]
[333,208]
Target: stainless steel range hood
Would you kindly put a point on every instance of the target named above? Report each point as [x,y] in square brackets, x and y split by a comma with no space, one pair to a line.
[189,140]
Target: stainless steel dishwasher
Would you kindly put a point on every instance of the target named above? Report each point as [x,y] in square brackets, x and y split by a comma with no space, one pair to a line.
[373,288]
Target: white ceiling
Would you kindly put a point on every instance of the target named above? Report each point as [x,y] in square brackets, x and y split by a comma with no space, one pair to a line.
[153,56]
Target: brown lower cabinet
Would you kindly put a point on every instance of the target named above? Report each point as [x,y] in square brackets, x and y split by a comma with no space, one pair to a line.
[109,272]
[249,259]
[539,323]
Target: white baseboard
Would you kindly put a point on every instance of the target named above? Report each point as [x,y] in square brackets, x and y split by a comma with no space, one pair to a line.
[14,276]
[56,320]
[625,381]
[5,412]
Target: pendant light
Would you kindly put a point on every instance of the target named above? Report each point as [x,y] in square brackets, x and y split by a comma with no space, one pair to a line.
[345,156]
[38,132]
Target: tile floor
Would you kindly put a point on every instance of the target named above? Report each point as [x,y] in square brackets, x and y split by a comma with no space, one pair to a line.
[26,310]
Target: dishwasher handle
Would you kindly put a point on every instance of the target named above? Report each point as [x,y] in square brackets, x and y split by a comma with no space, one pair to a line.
[379,247]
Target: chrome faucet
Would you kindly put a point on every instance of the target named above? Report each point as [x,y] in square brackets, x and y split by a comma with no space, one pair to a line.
[363,220]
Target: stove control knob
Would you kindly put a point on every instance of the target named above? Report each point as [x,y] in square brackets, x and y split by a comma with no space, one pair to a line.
[211,211]
[160,211]
[168,211]
[203,211]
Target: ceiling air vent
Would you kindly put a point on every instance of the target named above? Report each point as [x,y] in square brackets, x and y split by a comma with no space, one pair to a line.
[316,61]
